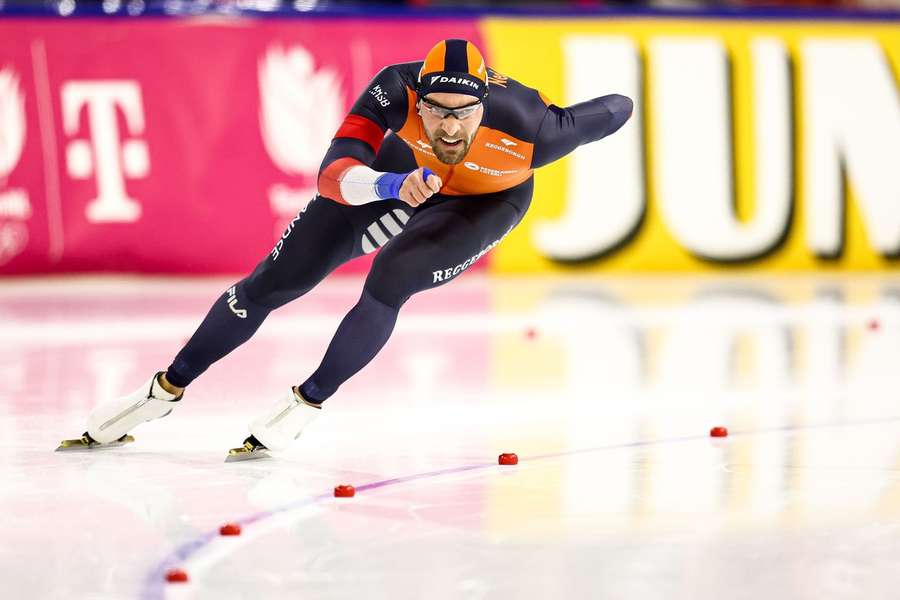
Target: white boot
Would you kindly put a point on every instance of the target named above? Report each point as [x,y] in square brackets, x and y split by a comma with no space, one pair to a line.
[277,427]
[112,419]
[284,421]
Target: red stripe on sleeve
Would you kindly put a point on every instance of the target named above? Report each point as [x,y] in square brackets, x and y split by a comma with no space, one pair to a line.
[330,178]
[361,128]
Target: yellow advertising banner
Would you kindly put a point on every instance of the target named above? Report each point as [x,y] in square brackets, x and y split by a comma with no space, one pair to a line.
[755,145]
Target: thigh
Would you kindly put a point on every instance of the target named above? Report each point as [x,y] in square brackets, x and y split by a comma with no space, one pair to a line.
[442,240]
[323,236]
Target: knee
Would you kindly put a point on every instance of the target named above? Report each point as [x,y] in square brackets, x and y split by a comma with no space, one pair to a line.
[399,272]
[273,285]
[390,290]
[261,286]
[242,303]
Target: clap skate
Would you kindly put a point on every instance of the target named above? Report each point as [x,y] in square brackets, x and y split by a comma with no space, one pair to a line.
[86,442]
[252,449]
[277,428]
[110,422]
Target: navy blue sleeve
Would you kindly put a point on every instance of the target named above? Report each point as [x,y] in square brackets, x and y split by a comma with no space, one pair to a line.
[381,106]
[564,129]
[384,101]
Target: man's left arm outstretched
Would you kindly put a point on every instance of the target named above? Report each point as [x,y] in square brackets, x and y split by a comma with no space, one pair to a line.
[564,129]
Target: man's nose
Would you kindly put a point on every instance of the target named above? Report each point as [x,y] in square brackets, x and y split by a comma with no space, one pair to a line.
[450,125]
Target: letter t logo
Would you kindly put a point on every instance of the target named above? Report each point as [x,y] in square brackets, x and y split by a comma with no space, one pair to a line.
[104,154]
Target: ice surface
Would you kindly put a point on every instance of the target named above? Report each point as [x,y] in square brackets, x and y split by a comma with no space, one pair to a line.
[619,491]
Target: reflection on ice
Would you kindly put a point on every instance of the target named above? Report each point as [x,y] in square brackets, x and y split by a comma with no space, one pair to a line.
[619,489]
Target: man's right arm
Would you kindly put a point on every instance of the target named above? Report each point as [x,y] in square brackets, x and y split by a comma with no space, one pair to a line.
[346,175]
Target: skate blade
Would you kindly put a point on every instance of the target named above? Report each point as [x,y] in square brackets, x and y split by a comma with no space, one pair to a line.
[245,453]
[86,443]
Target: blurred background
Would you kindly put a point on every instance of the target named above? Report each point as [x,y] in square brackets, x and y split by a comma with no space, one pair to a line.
[196,6]
[729,257]
[762,138]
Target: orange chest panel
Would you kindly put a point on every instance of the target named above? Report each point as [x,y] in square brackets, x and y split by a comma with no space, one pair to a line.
[496,160]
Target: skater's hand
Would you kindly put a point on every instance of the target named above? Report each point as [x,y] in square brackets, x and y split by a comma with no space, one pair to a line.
[419,186]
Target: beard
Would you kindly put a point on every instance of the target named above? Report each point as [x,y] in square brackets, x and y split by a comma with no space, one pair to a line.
[447,154]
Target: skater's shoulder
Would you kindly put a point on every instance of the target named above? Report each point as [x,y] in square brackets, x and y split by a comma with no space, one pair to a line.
[513,107]
[400,74]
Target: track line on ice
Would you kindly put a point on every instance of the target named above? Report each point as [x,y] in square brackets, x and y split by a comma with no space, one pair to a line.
[154,587]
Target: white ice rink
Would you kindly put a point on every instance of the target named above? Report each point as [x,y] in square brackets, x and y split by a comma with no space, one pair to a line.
[605,388]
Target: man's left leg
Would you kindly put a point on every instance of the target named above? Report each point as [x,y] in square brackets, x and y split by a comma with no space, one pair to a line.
[439,243]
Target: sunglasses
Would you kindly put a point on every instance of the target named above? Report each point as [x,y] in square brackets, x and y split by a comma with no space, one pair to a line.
[443,112]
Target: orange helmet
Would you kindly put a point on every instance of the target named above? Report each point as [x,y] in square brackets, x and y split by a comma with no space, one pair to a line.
[454,66]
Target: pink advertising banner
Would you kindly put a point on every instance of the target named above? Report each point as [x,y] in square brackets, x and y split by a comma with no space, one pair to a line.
[175,146]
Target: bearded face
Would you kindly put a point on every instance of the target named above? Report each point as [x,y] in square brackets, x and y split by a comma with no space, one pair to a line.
[449,148]
[450,122]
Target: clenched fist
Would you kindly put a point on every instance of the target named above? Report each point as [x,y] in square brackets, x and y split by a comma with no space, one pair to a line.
[416,189]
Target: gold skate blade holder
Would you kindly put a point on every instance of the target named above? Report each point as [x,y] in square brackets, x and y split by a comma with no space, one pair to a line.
[248,451]
[86,442]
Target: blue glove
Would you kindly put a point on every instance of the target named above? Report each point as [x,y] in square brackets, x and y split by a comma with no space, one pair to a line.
[388,185]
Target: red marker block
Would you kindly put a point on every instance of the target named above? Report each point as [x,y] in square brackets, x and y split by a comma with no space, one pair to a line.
[344,491]
[230,529]
[873,325]
[508,459]
[718,432]
[530,333]
[176,576]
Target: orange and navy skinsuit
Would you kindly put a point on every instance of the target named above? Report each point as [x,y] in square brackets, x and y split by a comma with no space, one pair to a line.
[482,199]
[520,131]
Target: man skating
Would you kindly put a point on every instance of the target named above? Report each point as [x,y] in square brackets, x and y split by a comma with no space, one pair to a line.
[451,178]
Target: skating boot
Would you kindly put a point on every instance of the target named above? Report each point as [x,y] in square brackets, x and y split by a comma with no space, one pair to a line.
[110,422]
[277,428]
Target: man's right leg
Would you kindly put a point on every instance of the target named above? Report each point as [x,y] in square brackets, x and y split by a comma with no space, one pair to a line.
[319,239]
[316,242]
